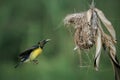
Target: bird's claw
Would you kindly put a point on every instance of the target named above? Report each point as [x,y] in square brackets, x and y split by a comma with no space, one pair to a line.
[35,61]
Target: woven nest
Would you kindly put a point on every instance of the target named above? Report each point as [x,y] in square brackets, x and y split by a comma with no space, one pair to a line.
[88,32]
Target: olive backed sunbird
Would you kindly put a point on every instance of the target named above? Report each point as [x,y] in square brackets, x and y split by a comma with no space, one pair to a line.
[32,53]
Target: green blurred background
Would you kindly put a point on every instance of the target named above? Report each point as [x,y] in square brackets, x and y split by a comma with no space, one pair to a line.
[25,22]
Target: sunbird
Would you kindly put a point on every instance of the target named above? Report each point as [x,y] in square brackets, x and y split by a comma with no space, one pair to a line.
[32,53]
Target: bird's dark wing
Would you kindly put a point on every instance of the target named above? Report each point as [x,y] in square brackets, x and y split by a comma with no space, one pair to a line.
[25,54]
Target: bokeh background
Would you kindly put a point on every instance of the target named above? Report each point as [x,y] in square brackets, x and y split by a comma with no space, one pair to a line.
[25,22]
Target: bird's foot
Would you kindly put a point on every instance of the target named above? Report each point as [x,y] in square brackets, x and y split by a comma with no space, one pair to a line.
[35,61]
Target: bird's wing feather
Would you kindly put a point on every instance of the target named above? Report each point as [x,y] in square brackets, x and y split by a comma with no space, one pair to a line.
[25,54]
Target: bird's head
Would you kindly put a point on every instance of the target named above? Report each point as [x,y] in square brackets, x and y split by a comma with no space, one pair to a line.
[43,42]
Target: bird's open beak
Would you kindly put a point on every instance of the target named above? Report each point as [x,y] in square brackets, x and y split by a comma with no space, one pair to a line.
[47,40]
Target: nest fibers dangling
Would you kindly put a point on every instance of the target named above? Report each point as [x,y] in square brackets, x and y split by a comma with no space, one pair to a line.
[89,32]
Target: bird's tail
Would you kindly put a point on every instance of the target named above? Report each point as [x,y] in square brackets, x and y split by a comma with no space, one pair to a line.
[17,64]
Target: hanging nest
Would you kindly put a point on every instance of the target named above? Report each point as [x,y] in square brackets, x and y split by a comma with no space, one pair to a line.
[89,32]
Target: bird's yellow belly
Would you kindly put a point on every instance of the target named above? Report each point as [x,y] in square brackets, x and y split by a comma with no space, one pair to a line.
[35,53]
